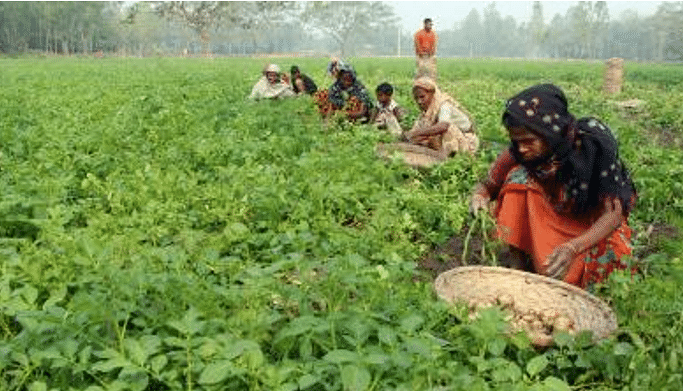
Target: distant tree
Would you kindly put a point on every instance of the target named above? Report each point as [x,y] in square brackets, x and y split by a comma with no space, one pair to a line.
[600,28]
[589,23]
[200,16]
[509,41]
[559,38]
[259,18]
[139,28]
[668,21]
[14,26]
[493,34]
[630,37]
[537,28]
[473,32]
[343,20]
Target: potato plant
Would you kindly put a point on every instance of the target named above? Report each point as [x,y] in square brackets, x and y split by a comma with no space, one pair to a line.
[161,232]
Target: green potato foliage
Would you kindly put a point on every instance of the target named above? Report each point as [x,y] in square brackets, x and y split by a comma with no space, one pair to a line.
[161,232]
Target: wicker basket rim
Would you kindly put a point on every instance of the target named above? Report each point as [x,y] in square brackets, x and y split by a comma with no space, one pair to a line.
[591,303]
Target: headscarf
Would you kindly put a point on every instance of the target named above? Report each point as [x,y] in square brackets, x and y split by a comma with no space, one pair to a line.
[430,116]
[584,151]
[338,93]
[334,66]
[271,68]
[343,67]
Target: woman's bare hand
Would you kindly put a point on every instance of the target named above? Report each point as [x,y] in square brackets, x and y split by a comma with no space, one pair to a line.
[557,263]
[479,202]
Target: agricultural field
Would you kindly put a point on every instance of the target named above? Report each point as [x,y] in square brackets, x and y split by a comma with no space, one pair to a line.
[160,232]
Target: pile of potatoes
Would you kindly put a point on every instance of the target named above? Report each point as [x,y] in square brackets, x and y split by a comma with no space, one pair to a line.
[541,323]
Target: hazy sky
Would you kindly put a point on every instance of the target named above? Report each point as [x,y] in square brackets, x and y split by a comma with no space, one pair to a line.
[446,13]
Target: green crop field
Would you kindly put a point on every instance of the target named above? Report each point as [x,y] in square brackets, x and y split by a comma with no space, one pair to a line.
[160,232]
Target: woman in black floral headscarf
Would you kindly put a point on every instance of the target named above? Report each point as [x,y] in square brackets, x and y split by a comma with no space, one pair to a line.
[563,193]
[348,94]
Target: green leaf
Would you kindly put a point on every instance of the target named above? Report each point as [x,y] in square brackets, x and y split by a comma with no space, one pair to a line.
[536,365]
[158,363]
[387,336]
[555,384]
[505,371]
[216,372]
[562,339]
[377,358]
[623,349]
[85,354]
[37,386]
[673,361]
[308,380]
[383,273]
[254,358]
[496,346]
[340,356]
[238,348]
[289,386]
[236,232]
[135,351]
[402,359]
[115,361]
[355,378]
[55,297]
[583,338]
[481,363]
[419,346]
[189,324]
[305,348]
[582,361]
[28,293]
[69,348]
[151,344]
[135,378]
[411,323]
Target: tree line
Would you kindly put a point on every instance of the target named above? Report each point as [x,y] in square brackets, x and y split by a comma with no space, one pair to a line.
[347,28]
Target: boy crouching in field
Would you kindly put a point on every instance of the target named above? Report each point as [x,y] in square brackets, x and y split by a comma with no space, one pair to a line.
[389,114]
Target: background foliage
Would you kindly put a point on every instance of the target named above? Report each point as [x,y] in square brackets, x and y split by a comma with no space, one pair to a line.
[368,28]
[160,232]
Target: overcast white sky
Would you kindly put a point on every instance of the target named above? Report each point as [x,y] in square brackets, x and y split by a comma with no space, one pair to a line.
[446,13]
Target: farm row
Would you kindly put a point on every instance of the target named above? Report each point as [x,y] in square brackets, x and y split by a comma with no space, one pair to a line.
[161,232]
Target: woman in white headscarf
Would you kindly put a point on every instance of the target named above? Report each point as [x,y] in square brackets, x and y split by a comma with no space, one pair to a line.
[443,128]
[272,85]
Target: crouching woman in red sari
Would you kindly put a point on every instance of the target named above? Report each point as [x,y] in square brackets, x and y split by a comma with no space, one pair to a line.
[563,194]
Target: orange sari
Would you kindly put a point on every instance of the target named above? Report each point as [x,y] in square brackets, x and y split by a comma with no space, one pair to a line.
[527,219]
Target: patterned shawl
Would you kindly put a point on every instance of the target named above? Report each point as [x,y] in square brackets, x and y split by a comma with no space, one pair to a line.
[584,151]
[430,116]
[337,91]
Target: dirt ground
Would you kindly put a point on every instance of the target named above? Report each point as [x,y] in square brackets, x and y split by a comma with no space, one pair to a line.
[449,255]
[651,238]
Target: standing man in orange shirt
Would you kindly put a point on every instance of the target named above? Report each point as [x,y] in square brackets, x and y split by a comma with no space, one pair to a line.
[425,50]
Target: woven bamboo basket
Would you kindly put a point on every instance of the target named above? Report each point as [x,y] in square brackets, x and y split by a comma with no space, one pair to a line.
[526,293]
[414,159]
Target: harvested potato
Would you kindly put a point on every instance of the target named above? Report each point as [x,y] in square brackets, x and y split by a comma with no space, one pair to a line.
[563,323]
[540,325]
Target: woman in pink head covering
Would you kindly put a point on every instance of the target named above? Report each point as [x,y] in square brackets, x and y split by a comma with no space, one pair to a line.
[443,128]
